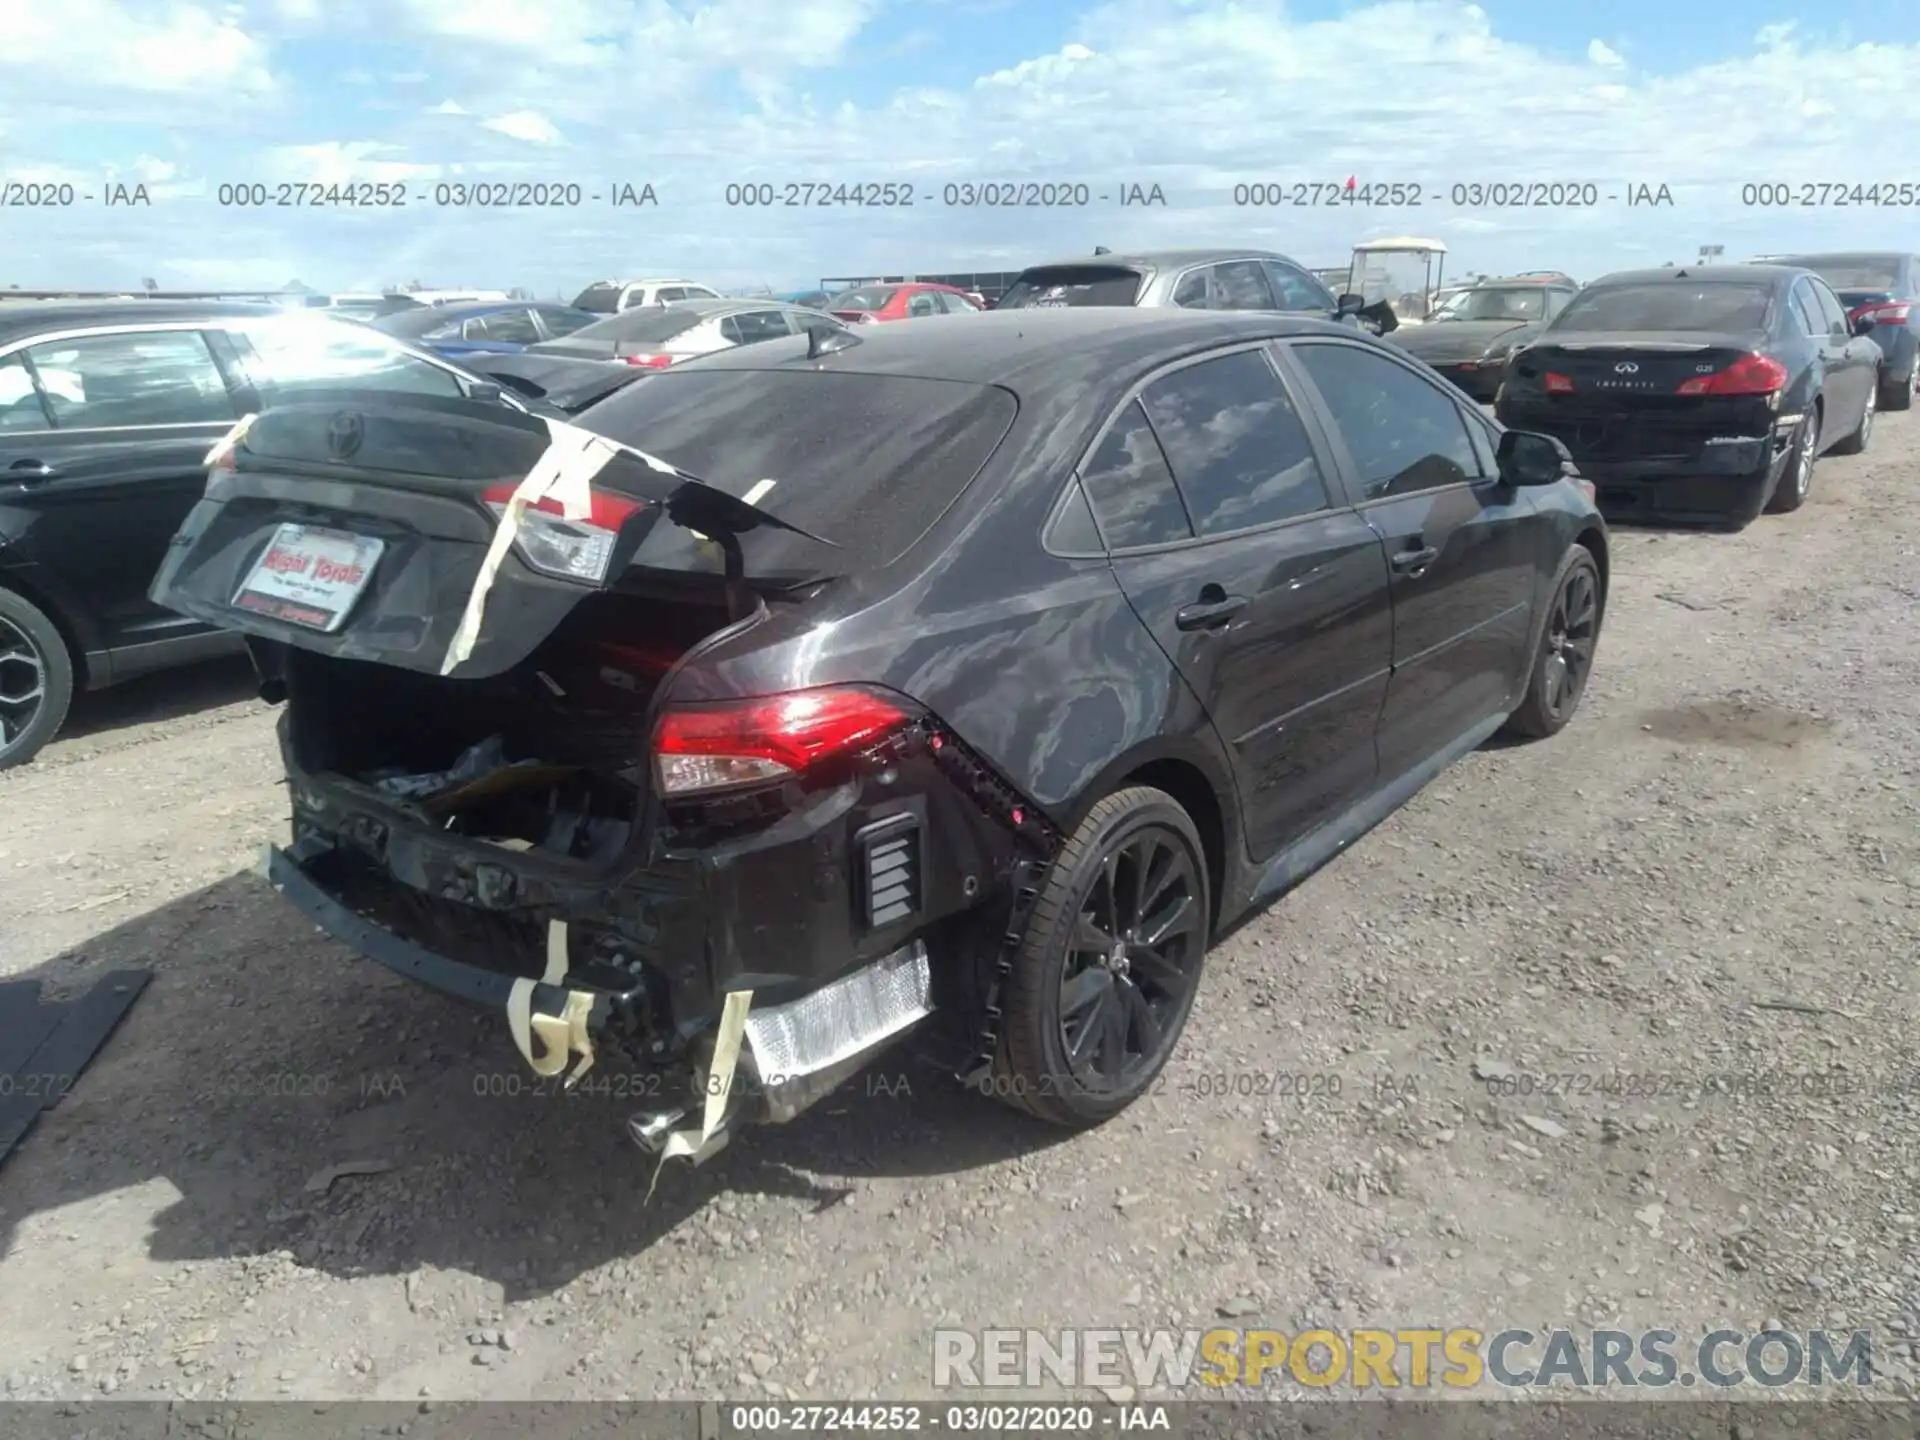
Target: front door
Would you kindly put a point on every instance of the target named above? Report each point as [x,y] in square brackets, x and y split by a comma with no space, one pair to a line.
[112,464]
[1461,546]
[1239,553]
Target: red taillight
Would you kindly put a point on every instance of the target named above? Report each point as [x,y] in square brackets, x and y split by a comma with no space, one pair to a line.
[649,362]
[1558,384]
[744,742]
[551,543]
[1752,374]
[1889,312]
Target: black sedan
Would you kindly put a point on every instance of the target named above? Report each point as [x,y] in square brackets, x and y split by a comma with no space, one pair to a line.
[107,411]
[989,670]
[1699,395]
[1881,290]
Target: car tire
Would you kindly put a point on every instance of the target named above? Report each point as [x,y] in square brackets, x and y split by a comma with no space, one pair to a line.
[1857,442]
[36,679]
[1563,654]
[1897,391]
[1070,1006]
[1790,491]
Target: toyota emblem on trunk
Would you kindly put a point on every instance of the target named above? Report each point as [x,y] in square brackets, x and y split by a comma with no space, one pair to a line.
[344,434]
[1626,367]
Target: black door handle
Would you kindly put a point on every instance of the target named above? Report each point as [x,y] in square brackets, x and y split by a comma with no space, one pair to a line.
[1209,614]
[1415,559]
[31,470]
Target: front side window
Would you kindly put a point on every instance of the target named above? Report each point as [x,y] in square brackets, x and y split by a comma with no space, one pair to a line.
[163,377]
[564,322]
[1237,447]
[1296,290]
[293,357]
[1404,433]
[20,407]
[1131,488]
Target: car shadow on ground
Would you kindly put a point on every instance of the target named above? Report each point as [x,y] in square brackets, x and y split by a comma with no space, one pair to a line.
[161,696]
[263,1053]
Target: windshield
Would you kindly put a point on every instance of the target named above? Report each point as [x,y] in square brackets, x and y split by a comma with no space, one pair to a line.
[1399,277]
[1669,305]
[1519,304]
[1059,287]
[872,297]
[600,299]
[648,324]
[866,461]
[1859,272]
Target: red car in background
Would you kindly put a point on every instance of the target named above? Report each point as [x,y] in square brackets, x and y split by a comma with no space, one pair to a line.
[910,301]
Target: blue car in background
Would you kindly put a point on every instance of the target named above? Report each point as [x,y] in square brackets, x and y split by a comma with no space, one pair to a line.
[812,299]
[488,327]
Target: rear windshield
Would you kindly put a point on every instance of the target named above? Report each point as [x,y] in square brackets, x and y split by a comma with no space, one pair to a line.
[870,297]
[866,461]
[601,299]
[1858,273]
[648,324]
[1060,286]
[1519,303]
[1668,305]
[420,320]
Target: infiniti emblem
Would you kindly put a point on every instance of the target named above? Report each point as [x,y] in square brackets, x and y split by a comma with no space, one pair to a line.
[1626,367]
[344,434]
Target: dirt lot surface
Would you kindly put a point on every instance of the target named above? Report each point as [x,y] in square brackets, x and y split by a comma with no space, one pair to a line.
[1708,886]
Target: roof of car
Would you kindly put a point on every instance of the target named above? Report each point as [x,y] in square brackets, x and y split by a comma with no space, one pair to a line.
[643,280]
[1827,257]
[1043,347]
[1162,259]
[27,316]
[1711,274]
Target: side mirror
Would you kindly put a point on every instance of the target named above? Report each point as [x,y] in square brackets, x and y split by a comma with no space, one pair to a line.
[487,392]
[1528,458]
[1349,305]
[1863,326]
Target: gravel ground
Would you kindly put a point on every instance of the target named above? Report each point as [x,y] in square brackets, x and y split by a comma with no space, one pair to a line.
[1713,875]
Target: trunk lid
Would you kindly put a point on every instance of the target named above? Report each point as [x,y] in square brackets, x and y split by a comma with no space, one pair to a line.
[1614,370]
[1454,339]
[364,531]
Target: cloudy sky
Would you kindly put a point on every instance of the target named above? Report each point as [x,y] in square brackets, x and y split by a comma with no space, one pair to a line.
[692,96]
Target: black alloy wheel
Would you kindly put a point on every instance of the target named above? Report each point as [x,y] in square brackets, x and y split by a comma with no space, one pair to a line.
[1862,435]
[36,680]
[1111,963]
[1796,481]
[1564,659]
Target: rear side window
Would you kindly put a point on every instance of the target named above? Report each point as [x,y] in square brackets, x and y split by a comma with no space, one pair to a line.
[152,378]
[1405,434]
[1831,311]
[753,326]
[1059,287]
[564,322]
[866,461]
[1193,292]
[871,297]
[1237,446]
[1807,310]
[925,302]
[1669,305]
[1131,486]
[1243,285]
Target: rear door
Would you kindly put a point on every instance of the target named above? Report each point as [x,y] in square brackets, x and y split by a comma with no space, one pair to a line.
[1463,548]
[1239,552]
[1853,361]
[114,463]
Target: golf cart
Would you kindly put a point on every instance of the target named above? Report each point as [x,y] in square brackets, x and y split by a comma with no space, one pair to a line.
[1403,272]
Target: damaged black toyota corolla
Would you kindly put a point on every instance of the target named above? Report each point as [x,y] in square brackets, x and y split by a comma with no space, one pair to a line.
[801,693]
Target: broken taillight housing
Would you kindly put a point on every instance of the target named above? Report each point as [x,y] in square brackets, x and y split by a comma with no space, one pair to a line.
[568,549]
[722,746]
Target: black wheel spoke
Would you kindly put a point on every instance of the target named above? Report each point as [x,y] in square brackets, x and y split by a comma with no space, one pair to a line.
[1176,918]
[1090,938]
[23,684]
[1084,1042]
[1111,1058]
[1082,992]
[1110,879]
[1146,1025]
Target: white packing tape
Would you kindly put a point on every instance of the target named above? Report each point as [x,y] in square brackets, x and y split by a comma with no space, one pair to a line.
[562,1035]
[691,1143]
[564,473]
[224,446]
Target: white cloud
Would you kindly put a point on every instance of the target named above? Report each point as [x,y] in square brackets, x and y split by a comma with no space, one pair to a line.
[527,125]
[102,44]
[1193,95]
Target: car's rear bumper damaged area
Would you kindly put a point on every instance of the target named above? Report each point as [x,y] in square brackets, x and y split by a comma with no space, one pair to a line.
[505,842]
